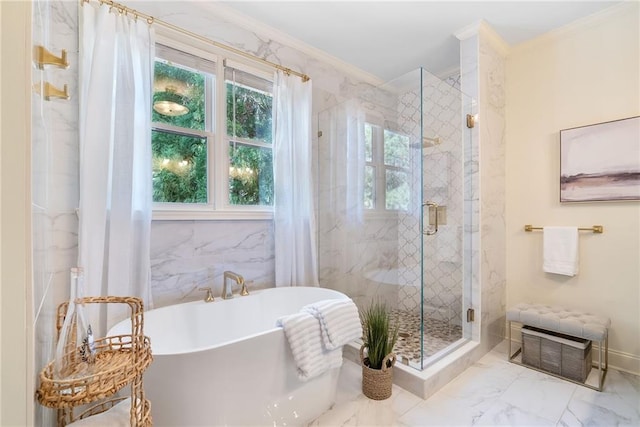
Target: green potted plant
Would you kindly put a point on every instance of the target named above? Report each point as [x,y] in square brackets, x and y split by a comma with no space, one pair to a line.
[379,337]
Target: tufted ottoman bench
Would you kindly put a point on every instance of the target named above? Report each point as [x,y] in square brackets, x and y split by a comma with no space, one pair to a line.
[564,321]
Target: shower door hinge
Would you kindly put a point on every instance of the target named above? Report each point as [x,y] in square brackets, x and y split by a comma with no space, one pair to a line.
[471,314]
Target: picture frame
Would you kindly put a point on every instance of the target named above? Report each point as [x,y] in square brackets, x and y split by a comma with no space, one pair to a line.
[601,162]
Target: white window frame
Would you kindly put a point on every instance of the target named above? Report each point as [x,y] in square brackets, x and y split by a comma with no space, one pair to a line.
[380,169]
[218,206]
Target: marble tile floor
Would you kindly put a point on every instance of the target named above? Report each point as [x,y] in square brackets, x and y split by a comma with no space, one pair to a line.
[492,392]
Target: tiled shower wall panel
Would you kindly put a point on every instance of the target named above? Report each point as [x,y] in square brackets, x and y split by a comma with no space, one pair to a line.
[443,182]
[440,110]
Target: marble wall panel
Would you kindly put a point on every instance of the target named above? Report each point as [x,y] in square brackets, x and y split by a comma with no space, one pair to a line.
[187,255]
[54,166]
[492,140]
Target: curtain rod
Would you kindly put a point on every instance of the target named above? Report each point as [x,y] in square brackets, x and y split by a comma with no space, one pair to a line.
[151,20]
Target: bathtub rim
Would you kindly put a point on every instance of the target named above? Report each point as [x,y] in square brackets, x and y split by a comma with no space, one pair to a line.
[193,350]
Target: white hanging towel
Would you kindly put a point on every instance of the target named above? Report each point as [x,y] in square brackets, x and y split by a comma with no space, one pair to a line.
[560,250]
[303,333]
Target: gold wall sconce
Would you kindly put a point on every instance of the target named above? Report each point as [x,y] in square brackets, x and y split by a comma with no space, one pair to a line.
[49,91]
[43,57]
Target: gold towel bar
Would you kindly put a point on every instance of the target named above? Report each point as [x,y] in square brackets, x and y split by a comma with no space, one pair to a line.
[598,229]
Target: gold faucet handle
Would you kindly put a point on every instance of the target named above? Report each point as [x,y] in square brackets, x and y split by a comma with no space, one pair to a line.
[243,290]
[209,296]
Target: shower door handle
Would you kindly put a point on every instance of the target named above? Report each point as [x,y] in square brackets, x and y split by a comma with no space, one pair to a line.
[430,231]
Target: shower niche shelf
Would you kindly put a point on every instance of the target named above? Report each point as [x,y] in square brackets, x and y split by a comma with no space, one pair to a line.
[120,362]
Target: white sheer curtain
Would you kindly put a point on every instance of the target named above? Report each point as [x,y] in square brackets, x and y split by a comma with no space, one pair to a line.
[296,262]
[346,146]
[343,179]
[116,71]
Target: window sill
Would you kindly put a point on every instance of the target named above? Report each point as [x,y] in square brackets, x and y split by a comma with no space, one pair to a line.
[229,215]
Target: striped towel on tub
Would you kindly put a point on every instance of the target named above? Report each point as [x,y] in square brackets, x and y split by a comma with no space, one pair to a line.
[303,333]
[339,321]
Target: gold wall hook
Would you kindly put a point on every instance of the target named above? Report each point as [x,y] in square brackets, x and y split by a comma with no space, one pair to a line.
[49,91]
[43,57]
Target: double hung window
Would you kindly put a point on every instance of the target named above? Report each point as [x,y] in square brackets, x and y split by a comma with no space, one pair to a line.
[211,137]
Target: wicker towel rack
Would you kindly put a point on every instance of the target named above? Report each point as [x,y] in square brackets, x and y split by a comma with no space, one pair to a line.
[120,361]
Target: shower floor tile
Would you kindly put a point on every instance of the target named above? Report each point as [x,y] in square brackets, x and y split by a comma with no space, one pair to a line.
[437,334]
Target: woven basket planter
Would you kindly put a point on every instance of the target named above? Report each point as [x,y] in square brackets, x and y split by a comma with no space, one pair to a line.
[377,383]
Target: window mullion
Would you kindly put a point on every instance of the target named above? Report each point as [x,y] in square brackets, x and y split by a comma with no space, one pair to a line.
[211,94]
[381,181]
[221,152]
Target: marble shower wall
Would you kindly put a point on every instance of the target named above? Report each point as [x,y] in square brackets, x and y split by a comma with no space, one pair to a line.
[444,108]
[440,177]
[356,251]
[389,267]
[482,67]
[492,170]
[54,165]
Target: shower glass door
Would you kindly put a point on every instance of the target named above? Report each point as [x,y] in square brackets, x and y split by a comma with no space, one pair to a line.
[446,197]
[391,205]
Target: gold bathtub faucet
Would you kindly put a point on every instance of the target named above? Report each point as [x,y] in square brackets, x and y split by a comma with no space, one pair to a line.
[227,290]
[209,297]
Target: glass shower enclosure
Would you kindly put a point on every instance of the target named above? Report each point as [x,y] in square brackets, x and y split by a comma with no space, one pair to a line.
[394,208]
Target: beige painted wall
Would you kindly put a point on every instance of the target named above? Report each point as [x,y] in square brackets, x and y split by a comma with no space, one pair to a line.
[586,73]
[16,370]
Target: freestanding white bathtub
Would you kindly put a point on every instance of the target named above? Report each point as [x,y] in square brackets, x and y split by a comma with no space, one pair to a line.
[226,363]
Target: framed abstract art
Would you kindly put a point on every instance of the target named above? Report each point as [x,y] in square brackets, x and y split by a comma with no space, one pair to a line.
[601,162]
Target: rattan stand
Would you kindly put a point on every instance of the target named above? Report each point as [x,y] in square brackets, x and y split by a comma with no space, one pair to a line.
[120,361]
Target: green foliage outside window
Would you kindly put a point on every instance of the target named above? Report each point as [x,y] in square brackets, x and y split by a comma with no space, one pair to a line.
[179,161]
[250,175]
[179,168]
[250,167]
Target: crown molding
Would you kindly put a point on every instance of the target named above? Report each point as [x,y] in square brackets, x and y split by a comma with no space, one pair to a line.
[235,17]
[469,31]
[626,7]
[484,29]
